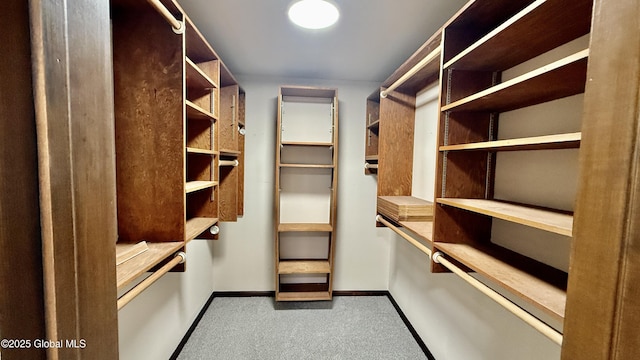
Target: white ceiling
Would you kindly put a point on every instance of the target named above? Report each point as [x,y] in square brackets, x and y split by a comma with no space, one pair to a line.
[371,39]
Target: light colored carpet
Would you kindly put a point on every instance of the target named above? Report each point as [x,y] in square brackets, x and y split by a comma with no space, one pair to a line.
[349,327]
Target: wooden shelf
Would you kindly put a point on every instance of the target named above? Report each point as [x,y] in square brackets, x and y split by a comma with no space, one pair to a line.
[229,153]
[303,296]
[494,52]
[371,158]
[423,229]
[196,78]
[298,227]
[193,186]
[405,208]
[302,143]
[192,150]
[308,166]
[547,142]
[559,79]
[304,267]
[196,226]
[196,112]
[546,290]
[138,265]
[547,220]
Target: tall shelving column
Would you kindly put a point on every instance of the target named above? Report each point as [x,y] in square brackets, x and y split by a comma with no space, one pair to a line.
[306,181]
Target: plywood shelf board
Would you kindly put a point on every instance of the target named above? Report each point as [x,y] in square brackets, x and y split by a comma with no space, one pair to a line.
[310,166]
[303,296]
[196,78]
[192,150]
[540,285]
[304,143]
[559,79]
[229,152]
[547,220]
[126,252]
[300,227]
[196,112]
[405,208]
[563,21]
[192,186]
[423,229]
[157,252]
[547,142]
[197,225]
[371,158]
[304,267]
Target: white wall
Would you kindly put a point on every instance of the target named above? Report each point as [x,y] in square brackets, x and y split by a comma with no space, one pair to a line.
[244,255]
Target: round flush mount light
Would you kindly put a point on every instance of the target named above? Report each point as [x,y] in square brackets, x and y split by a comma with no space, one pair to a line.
[313,14]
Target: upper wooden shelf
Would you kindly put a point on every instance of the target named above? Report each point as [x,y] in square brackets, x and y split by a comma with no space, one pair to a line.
[196,112]
[196,78]
[304,267]
[559,79]
[193,186]
[547,220]
[371,158]
[192,150]
[139,264]
[546,290]
[229,152]
[423,229]
[197,225]
[563,21]
[303,143]
[308,166]
[547,142]
[303,227]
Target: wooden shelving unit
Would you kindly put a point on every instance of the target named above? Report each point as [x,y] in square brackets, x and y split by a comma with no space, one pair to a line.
[480,43]
[170,100]
[306,163]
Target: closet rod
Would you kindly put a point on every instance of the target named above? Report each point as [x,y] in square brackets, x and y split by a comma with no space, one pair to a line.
[417,67]
[178,26]
[179,258]
[370,166]
[543,328]
[228,163]
[413,241]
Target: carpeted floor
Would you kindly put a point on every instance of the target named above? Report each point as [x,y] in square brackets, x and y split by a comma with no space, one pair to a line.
[349,327]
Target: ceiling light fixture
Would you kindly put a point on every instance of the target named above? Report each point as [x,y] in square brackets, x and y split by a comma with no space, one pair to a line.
[313,14]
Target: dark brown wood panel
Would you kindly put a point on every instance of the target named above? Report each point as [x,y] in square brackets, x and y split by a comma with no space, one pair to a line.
[199,134]
[228,121]
[21,277]
[228,193]
[71,50]
[605,267]
[150,148]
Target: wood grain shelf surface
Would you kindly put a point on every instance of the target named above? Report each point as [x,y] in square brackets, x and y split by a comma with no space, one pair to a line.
[563,21]
[197,225]
[559,79]
[229,152]
[302,227]
[547,142]
[193,150]
[545,291]
[196,112]
[371,158]
[196,78]
[303,296]
[304,267]
[138,265]
[547,220]
[405,208]
[192,186]
[308,166]
[423,229]
[306,143]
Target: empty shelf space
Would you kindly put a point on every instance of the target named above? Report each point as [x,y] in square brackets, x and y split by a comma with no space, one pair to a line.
[424,229]
[196,112]
[304,267]
[563,21]
[547,142]
[306,143]
[192,150]
[192,186]
[303,296]
[540,285]
[229,153]
[197,48]
[298,227]
[139,264]
[310,166]
[196,78]
[547,220]
[375,125]
[559,79]
[198,225]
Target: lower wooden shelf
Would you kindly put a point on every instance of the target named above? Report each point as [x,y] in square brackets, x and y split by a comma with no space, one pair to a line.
[138,265]
[538,284]
[301,227]
[303,296]
[304,267]
[198,225]
[423,229]
[192,186]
